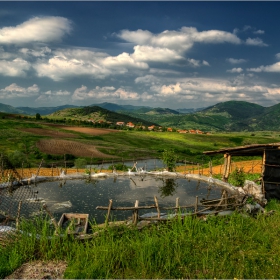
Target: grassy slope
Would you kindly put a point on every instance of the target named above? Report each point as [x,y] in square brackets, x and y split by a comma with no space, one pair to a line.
[222,247]
[139,144]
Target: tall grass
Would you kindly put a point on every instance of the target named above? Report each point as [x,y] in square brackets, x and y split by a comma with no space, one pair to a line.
[220,247]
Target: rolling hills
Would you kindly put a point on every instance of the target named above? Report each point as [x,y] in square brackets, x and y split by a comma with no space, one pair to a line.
[224,116]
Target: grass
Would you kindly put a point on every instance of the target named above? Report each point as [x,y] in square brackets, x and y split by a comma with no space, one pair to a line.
[222,247]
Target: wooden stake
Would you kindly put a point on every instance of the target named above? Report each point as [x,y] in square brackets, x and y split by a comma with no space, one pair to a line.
[196,204]
[38,170]
[177,205]
[158,210]
[18,214]
[135,213]
[109,210]
[51,216]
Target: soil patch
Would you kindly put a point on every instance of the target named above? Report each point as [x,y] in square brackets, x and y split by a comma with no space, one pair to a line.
[86,130]
[50,133]
[40,270]
[61,147]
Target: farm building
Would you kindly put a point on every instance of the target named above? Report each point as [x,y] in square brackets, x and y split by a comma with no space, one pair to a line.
[270,176]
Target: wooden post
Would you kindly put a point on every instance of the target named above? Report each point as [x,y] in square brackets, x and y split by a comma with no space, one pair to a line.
[38,170]
[52,169]
[22,170]
[135,213]
[177,205]
[185,166]
[109,210]
[65,166]
[18,215]
[210,168]
[51,216]
[227,161]
[196,204]
[158,210]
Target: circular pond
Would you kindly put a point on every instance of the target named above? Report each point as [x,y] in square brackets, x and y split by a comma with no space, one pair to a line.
[83,196]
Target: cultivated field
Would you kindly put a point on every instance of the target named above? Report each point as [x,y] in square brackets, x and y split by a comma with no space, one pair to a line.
[86,130]
[49,132]
[61,147]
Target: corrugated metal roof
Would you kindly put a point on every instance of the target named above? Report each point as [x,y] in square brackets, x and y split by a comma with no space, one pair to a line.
[247,150]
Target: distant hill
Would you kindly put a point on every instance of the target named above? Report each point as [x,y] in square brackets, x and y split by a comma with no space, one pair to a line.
[97,113]
[44,110]
[10,109]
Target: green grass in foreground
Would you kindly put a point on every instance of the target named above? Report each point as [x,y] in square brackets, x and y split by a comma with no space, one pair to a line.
[221,247]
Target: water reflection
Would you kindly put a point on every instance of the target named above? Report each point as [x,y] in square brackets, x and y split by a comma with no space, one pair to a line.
[168,188]
[83,196]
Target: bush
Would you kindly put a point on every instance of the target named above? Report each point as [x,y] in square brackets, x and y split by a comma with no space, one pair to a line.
[169,158]
[80,163]
[237,177]
[118,166]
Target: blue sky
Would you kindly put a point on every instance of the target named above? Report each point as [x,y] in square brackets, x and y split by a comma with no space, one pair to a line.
[158,54]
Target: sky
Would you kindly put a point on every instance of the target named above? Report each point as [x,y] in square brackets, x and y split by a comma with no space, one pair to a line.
[165,54]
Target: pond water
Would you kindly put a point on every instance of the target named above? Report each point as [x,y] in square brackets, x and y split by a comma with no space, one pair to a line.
[81,196]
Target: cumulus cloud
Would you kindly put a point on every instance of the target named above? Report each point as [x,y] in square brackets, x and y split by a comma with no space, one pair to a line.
[104,93]
[73,62]
[15,91]
[236,61]
[180,41]
[213,90]
[259,32]
[37,29]
[14,68]
[149,53]
[270,68]
[37,52]
[255,42]
[278,55]
[235,70]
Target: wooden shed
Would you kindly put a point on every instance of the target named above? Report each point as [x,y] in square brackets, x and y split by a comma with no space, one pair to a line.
[270,164]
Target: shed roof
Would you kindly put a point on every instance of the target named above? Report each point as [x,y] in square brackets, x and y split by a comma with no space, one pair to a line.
[247,150]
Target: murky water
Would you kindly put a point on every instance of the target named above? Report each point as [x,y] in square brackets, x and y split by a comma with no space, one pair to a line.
[81,196]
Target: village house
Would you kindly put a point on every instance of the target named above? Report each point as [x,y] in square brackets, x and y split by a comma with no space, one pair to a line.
[152,127]
[169,129]
[182,131]
[120,123]
[130,124]
[199,131]
[192,131]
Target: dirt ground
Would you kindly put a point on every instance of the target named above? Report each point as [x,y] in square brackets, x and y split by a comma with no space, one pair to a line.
[90,131]
[61,147]
[40,270]
[49,132]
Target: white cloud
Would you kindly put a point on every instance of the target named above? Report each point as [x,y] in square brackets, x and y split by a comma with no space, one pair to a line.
[37,29]
[14,68]
[148,79]
[259,32]
[235,70]
[270,68]
[255,42]
[74,62]
[149,53]
[41,52]
[236,61]
[15,91]
[104,93]
[278,55]
[180,41]
[209,90]
[205,63]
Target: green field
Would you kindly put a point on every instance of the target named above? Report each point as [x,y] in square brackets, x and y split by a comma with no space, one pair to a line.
[127,144]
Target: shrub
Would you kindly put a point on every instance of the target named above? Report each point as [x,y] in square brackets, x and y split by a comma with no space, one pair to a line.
[80,163]
[237,177]
[169,158]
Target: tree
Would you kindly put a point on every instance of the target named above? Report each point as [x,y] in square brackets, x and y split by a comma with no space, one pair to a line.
[38,116]
[80,163]
[169,158]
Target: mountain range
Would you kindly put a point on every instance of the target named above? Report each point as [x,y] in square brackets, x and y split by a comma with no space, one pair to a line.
[225,116]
